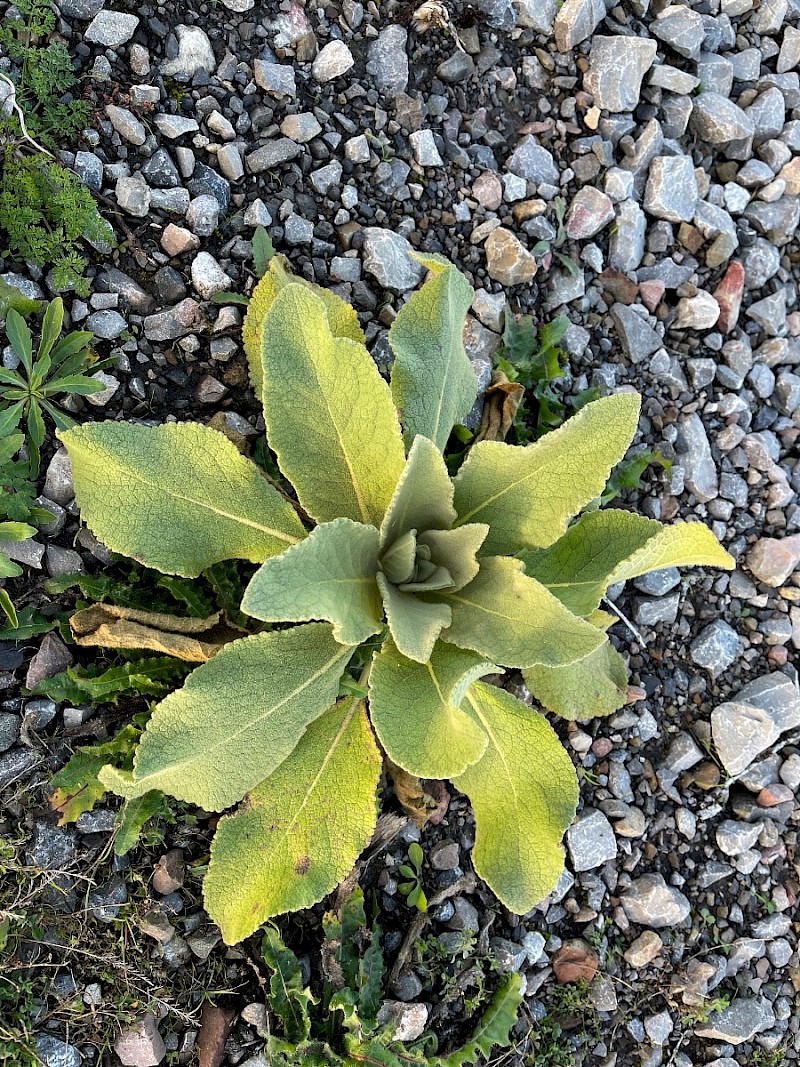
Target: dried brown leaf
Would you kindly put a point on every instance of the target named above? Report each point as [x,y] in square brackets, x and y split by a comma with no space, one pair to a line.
[500,405]
[110,626]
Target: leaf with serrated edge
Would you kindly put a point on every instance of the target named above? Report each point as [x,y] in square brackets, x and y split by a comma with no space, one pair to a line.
[514,620]
[413,623]
[177,497]
[456,550]
[593,686]
[330,575]
[236,718]
[290,998]
[605,547]
[414,708]
[524,794]
[433,382]
[423,499]
[329,414]
[300,831]
[527,494]
[494,1028]
[342,319]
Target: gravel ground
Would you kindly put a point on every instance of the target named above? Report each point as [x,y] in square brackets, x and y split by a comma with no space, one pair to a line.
[352,132]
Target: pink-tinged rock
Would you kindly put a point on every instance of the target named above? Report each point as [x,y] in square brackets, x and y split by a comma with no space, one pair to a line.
[772,559]
[773,795]
[141,1045]
[589,212]
[728,295]
[651,293]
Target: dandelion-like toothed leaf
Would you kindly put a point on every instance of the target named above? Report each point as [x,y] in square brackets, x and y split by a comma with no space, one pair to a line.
[524,793]
[342,319]
[176,497]
[456,551]
[593,686]
[413,623]
[512,619]
[300,831]
[433,382]
[330,575]
[236,718]
[423,499]
[527,494]
[606,547]
[329,414]
[415,709]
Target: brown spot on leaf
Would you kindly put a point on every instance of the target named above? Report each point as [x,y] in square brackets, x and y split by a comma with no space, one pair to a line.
[302,865]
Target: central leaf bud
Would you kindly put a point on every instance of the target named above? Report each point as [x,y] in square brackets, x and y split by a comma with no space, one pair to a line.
[409,564]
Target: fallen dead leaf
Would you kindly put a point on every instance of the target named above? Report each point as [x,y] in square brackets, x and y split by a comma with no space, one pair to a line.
[573,961]
[413,798]
[193,640]
[500,405]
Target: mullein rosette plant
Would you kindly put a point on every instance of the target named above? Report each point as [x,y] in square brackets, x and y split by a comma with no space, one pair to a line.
[427,582]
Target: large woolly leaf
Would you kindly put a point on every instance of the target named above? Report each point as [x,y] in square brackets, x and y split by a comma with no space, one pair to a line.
[330,575]
[610,546]
[237,717]
[415,710]
[413,623]
[528,494]
[433,382]
[494,1028]
[423,499]
[329,414]
[594,685]
[300,831]
[177,497]
[512,619]
[342,319]
[524,793]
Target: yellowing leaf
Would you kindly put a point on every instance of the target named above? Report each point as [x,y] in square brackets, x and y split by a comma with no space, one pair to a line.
[593,686]
[176,497]
[512,619]
[413,623]
[415,709]
[528,494]
[605,547]
[236,718]
[433,382]
[298,833]
[329,414]
[342,319]
[524,793]
[330,575]
[423,499]
[192,640]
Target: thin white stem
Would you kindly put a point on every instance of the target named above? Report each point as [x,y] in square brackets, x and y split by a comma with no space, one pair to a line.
[21,117]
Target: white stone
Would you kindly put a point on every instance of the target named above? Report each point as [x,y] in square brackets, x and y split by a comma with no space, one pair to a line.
[208,277]
[194,54]
[333,61]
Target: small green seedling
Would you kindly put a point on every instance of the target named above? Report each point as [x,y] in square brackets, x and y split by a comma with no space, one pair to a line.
[412,889]
[57,368]
[422,583]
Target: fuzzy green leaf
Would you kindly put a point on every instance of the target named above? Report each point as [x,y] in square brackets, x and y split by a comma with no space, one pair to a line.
[592,686]
[76,787]
[433,382]
[13,298]
[514,620]
[423,499]
[177,497]
[524,793]
[605,547]
[6,603]
[414,623]
[456,551]
[342,319]
[330,575]
[329,414]
[528,494]
[237,717]
[415,710]
[289,999]
[300,831]
[494,1028]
